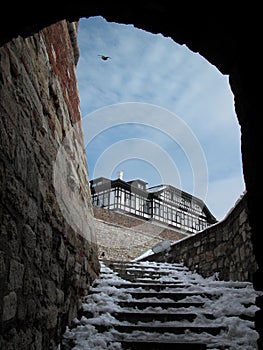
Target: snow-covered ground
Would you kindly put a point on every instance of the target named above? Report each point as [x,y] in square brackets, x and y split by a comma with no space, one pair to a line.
[231,299]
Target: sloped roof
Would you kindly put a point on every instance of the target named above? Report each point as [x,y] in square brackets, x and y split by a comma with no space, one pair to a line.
[162,187]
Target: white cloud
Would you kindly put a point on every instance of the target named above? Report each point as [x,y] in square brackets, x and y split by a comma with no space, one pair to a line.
[151,69]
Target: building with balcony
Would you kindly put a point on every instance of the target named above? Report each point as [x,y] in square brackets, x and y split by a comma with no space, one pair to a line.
[164,203]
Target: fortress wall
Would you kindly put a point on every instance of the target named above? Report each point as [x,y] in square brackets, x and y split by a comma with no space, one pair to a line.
[48,251]
[224,248]
[123,237]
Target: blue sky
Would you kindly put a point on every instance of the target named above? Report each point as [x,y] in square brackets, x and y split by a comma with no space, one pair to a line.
[158,112]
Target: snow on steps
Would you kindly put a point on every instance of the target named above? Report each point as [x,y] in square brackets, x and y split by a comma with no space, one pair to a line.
[147,305]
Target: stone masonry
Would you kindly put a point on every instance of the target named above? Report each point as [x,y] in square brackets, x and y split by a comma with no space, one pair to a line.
[121,236]
[47,259]
[224,248]
[122,243]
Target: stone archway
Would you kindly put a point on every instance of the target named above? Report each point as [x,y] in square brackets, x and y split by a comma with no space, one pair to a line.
[223,38]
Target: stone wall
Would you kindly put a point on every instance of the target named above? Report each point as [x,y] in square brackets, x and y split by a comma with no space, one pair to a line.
[122,243]
[48,259]
[224,248]
[125,237]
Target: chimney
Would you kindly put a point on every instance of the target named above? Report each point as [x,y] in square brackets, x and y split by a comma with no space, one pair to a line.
[120,175]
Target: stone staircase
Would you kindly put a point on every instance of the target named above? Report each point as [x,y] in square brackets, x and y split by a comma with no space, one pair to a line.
[146,305]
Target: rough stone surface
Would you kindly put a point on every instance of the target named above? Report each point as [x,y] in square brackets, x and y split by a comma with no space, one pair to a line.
[224,248]
[121,236]
[152,228]
[47,261]
[122,243]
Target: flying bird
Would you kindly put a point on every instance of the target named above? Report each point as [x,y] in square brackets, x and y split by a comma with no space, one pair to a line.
[104,58]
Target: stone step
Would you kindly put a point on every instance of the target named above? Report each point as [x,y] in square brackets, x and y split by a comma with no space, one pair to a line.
[176,296]
[142,312]
[170,346]
[173,267]
[131,267]
[147,273]
[152,280]
[113,263]
[167,295]
[136,316]
[141,274]
[161,329]
[153,345]
[164,305]
[144,274]
[147,286]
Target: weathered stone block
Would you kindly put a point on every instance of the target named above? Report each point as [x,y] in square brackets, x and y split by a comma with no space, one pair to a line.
[62,252]
[16,275]
[22,310]
[50,291]
[9,306]
[31,308]
[2,264]
[29,239]
[51,317]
